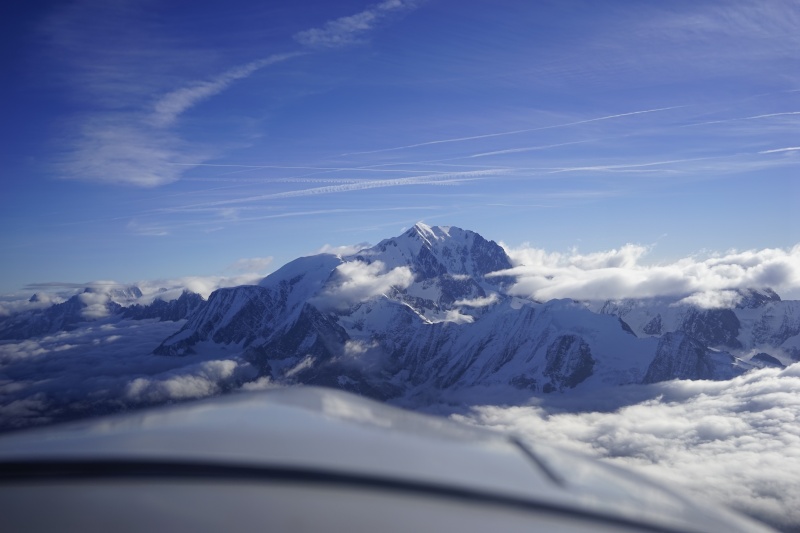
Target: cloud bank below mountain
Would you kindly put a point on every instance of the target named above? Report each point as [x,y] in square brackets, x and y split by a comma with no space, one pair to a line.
[737,441]
[104,367]
[620,273]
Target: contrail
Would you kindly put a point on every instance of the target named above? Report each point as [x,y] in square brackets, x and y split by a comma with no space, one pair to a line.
[374,184]
[741,118]
[515,132]
[635,165]
[790,149]
[328,212]
[286,167]
[528,149]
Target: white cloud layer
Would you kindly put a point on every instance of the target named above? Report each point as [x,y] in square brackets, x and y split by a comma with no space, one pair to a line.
[49,293]
[357,281]
[737,441]
[712,299]
[477,302]
[169,289]
[13,304]
[346,249]
[105,367]
[454,315]
[95,305]
[192,381]
[619,273]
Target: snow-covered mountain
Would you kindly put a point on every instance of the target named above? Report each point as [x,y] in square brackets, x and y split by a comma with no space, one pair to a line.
[421,312]
[90,305]
[758,322]
[427,311]
[172,310]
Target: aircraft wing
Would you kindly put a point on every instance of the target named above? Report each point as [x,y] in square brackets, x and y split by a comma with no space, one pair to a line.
[312,459]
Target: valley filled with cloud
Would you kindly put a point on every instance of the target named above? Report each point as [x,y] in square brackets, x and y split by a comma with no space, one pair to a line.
[735,442]
[104,367]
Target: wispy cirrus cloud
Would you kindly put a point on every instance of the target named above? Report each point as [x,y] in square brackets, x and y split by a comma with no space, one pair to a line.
[251,264]
[170,106]
[761,29]
[137,87]
[148,229]
[119,148]
[670,43]
[349,29]
[137,146]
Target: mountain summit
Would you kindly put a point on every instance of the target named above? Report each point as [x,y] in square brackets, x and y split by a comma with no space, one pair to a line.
[432,310]
[422,311]
[433,251]
[429,315]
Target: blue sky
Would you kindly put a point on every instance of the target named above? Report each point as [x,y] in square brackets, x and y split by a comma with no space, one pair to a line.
[147,140]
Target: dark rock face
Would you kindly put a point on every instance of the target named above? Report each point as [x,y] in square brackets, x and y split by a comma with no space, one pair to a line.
[617,307]
[525,382]
[766,360]
[427,266]
[455,289]
[569,362]
[712,327]
[488,256]
[679,356]
[654,327]
[313,334]
[170,311]
[789,328]
[232,315]
[247,323]
[753,299]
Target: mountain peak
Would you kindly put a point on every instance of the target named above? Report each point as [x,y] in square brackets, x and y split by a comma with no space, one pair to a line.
[755,298]
[433,233]
[433,251]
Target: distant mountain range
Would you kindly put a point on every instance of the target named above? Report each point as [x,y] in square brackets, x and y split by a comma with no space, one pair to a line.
[429,310]
[90,305]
